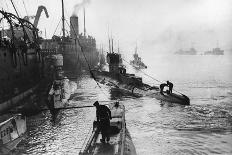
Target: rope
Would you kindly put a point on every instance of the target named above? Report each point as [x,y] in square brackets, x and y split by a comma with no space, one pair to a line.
[152,77]
[25,8]
[85,57]
[57,27]
[144,73]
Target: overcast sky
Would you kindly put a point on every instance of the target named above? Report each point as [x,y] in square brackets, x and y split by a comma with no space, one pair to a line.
[166,25]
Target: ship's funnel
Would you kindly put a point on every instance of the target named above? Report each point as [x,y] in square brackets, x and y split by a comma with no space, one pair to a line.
[74,26]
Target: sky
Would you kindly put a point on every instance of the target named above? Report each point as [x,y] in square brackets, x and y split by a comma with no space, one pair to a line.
[163,26]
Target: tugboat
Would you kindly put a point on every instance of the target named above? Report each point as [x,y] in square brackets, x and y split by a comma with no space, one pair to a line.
[12,129]
[118,78]
[137,62]
[120,140]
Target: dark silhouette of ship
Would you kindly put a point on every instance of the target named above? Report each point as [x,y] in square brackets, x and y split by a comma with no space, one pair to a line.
[215,51]
[137,62]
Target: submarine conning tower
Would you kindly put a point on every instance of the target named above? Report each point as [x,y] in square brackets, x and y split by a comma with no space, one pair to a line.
[113,61]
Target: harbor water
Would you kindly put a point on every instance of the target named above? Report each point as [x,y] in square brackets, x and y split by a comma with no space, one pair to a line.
[204,127]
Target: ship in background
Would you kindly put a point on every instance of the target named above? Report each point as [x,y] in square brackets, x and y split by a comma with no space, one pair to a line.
[75,59]
[215,51]
[102,59]
[137,62]
[191,51]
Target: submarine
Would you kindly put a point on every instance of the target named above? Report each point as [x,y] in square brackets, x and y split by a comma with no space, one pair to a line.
[118,78]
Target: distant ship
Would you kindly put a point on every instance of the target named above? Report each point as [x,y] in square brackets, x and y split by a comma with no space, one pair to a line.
[215,51]
[137,62]
[102,60]
[191,51]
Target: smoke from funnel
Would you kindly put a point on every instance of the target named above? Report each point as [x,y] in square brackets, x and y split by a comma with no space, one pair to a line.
[78,6]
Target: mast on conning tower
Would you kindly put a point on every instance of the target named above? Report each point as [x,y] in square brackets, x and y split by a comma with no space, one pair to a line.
[84,23]
[63,19]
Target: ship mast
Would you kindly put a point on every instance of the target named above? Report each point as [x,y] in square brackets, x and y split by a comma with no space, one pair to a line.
[84,23]
[63,19]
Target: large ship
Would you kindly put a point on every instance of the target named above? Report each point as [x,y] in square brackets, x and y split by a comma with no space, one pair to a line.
[78,49]
[21,64]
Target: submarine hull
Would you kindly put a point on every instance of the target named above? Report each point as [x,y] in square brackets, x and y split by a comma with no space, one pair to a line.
[139,90]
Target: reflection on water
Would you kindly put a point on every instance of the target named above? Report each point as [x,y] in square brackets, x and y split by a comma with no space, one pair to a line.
[205,127]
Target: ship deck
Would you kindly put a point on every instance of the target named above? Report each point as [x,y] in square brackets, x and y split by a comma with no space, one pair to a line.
[110,147]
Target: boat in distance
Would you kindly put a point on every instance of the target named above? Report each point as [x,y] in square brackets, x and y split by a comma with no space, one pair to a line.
[120,142]
[137,61]
[215,51]
[191,51]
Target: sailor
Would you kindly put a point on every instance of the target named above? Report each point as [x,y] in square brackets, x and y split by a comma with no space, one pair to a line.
[103,114]
[170,85]
[162,85]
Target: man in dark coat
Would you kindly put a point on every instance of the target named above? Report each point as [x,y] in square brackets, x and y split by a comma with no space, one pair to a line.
[170,86]
[103,114]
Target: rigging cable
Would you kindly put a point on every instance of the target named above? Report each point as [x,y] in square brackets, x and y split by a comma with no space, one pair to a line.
[144,73]
[152,77]
[15,8]
[91,73]
[57,27]
[25,8]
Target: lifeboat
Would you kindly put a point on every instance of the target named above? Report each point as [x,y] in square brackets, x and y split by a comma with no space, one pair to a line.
[12,131]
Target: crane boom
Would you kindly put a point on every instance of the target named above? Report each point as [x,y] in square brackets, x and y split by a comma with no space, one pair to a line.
[38,13]
[37,16]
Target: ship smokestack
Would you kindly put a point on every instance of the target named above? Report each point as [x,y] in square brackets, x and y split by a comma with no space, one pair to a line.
[74,29]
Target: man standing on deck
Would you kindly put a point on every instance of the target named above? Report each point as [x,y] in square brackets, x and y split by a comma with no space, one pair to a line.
[170,85]
[103,114]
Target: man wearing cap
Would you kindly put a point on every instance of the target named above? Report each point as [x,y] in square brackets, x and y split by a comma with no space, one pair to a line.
[170,85]
[103,114]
